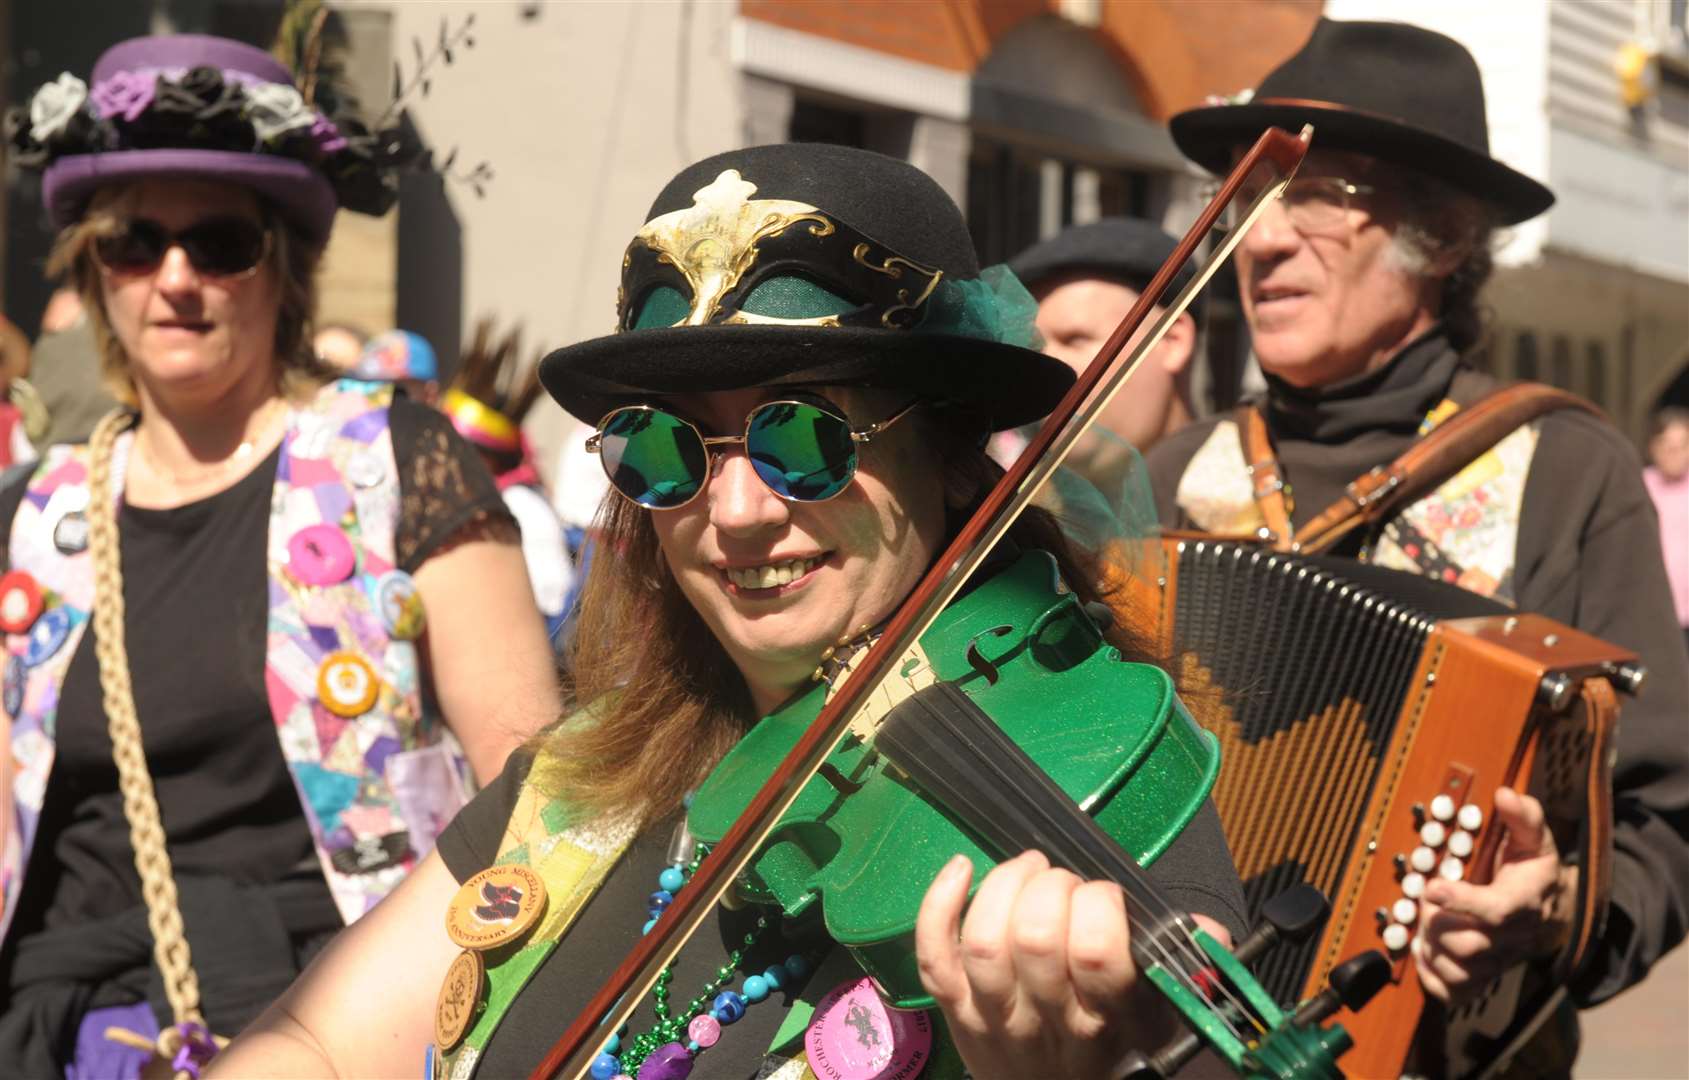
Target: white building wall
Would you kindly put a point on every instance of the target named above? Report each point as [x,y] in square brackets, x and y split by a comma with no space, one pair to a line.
[584,111]
[1622,174]
[1510,41]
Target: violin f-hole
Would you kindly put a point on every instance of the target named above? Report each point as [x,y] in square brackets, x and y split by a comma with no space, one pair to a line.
[986,669]
[843,784]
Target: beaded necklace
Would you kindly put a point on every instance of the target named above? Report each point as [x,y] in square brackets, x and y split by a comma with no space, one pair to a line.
[660,1054]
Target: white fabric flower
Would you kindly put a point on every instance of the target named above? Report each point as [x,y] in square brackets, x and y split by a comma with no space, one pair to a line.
[276,109]
[52,107]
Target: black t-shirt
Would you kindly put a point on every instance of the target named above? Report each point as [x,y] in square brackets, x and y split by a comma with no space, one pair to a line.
[196,599]
[1196,871]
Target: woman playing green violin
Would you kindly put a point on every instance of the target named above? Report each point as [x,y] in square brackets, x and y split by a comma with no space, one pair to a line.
[792,416]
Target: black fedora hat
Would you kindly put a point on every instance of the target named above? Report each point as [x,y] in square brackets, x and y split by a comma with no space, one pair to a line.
[811,263]
[1389,90]
[1129,250]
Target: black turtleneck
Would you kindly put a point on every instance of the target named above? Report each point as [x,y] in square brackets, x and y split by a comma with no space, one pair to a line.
[1587,554]
[1390,400]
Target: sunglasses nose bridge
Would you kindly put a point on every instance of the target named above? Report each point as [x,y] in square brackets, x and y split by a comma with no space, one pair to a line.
[176,267]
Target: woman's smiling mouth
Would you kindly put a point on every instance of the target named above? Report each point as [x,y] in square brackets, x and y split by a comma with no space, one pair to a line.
[770,578]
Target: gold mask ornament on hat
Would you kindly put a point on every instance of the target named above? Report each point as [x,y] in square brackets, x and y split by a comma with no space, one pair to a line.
[717,252]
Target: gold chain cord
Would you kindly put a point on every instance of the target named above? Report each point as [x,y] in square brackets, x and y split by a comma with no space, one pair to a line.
[140,805]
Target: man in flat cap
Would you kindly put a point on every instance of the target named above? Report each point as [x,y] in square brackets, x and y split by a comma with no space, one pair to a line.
[1361,290]
[1085,280]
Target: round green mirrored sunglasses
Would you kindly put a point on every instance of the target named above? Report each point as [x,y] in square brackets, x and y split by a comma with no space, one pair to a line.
[804,451]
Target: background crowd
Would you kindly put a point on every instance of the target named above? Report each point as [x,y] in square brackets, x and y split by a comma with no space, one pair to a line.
[473,498]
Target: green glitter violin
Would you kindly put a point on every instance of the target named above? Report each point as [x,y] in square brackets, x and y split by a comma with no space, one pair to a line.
[945,737]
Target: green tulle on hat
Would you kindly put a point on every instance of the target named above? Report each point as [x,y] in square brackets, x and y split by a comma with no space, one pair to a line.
[992,307]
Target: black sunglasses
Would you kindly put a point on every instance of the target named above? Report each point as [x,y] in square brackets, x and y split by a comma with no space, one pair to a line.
[223,247]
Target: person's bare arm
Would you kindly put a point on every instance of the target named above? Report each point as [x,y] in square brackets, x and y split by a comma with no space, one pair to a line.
[491,665]
[365,1007]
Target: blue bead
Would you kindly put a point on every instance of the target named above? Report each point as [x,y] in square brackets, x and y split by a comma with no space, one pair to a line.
[756,988]
[729,1007]
[671,879]
[775,977]
[648,926]
[604,1066]
[660,899]
[796,966]
[614,1045]
[692,1045]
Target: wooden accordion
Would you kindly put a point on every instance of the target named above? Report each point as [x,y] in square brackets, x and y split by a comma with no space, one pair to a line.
[1366,717]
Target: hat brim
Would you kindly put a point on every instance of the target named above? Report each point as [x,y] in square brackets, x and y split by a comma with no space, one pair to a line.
[1005,384]
[1210,136]
[302,193]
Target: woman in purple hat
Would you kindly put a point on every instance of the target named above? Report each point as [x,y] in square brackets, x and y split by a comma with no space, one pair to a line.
[238,760]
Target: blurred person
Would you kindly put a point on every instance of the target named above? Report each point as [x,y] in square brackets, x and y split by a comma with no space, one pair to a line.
[339,345]
[1360,286]
[63,310]
[486,401]
[1085,280]
[66,371]
[282,568]
[404,359]
[14,368]
[1667,479]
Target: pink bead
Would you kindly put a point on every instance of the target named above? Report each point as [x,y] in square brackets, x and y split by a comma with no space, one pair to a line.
[704,1030]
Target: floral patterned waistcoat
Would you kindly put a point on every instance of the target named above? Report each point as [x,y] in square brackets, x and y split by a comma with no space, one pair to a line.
[377,781]
[1464,533]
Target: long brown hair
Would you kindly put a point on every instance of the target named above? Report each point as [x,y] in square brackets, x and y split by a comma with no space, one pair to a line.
[663,702]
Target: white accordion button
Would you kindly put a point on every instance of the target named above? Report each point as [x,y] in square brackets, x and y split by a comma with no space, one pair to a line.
[1460,843]
[1413,886]
[1404,911]
[1395,937]
[1442,808]
[1432,834]
[1423,859]
[1451,869]
[1470,817]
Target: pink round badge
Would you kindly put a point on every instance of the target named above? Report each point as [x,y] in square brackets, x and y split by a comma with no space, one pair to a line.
[855,1037]
[320,555]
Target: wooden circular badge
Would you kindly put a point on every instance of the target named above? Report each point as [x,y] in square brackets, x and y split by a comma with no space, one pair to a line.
[495,907]
[460,999]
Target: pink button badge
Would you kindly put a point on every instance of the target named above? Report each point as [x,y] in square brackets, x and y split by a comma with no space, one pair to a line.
[320,555]
[855,1037]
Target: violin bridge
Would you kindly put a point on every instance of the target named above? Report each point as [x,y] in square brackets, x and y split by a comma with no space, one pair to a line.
[911,672]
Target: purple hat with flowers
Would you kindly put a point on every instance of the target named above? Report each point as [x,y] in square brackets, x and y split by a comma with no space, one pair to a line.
[205,107]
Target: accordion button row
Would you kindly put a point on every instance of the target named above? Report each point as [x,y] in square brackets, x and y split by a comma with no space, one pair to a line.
[1456,846]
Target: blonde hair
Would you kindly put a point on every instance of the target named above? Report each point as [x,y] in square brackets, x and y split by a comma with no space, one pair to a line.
[292,258]
[665,700]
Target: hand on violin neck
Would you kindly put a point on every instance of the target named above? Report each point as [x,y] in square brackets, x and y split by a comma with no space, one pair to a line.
[1037,979]
[1469,934]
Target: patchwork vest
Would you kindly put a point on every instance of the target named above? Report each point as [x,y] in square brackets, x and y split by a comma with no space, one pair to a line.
[377,778]
[1465,532]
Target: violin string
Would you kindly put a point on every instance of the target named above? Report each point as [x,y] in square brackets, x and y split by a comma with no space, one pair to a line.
[1177,955]
[1171,952]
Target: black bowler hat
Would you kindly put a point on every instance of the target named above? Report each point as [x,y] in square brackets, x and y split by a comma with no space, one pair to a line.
[1396,92]
[810,263]
[1128,250]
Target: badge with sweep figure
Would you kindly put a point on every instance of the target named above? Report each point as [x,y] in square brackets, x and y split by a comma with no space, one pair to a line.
[855,1037]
